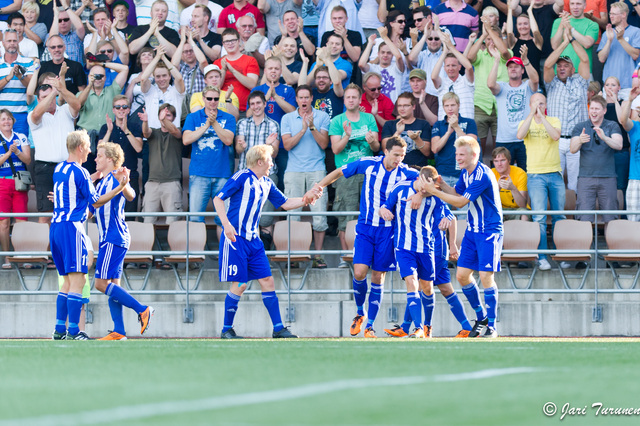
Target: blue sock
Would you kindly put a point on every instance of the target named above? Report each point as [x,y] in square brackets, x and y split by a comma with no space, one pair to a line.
[61,312]
[406,323]
[270,301]
[375,298]
[491,301]
[230,309]
[360,294]
[115,308]
[124,298]
[74,306]
[415,308]
[473,296]
[428,304]
[458,310]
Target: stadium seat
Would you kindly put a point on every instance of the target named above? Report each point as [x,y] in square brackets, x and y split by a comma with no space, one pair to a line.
[142,238]
[568,235]
[29,236]
[623,235]
[177,239]
[301,236]
[521,235]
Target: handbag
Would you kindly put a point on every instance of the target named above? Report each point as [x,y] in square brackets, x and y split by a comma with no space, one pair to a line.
[22,178]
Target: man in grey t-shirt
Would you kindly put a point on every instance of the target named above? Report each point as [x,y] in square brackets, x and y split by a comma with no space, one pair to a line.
[596,139]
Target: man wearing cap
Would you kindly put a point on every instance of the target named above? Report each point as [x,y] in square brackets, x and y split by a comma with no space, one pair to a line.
[228,100]
[512,101]
[120,12]
[567,100]
[426,104]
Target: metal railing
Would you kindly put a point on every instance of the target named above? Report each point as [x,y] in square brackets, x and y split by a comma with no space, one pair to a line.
[187,290]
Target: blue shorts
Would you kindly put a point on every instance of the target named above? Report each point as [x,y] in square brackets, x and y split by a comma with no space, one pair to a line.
[374,247]
[443,275]
[480,251]
[110,260]
[412,263]
[243,260]
[69,247]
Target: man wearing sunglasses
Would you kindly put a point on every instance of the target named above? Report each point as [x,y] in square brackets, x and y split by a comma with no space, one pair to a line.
[129,136]
[374,102]
[75,78]
[211,132]
[69,27]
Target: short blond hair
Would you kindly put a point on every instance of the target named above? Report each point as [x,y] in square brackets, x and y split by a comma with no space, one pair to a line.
[113,152]
[257,153]
[621,6]
[471,144]
[76,139]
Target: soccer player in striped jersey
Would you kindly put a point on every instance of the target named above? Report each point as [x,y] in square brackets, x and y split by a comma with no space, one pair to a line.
[373,246]
[444,219]
[114,242]
[73,192]
[413,243]
[242,256]
[482,242]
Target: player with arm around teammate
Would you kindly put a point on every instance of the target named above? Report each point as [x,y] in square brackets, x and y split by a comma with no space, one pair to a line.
[373,247]
[242,256]
[114,242]
[482,242]
[444,219]
[73,192]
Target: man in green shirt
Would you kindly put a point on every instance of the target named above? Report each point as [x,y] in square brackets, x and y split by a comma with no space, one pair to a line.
[578,27]
[354,135]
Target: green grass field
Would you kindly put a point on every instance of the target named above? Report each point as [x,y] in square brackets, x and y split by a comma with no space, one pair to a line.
[317,381]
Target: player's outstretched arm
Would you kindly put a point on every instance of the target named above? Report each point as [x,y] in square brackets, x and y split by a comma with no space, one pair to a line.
[295,203]
[385,213]
[330,178]
[454,199]
[123,177]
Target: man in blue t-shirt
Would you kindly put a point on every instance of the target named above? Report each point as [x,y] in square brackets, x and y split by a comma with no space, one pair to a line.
[281,99]
[482,242]
[212,156]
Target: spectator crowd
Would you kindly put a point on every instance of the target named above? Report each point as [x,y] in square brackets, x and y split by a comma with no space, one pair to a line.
[548,87]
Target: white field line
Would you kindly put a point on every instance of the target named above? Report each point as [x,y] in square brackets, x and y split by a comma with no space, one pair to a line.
[131,412]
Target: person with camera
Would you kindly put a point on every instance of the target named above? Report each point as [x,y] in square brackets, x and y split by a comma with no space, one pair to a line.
[97,101]
[15,74]
[15,154]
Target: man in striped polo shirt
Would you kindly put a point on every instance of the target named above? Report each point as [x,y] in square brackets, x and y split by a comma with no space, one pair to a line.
[15,75]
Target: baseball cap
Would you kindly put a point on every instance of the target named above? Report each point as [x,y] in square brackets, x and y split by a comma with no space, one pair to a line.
[419,73]
[122,2]
[515,60]
[564,58]
[210,68]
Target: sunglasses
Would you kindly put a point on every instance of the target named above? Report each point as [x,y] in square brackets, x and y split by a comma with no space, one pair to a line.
[59,46]
[433,38]
[418,19]
[212,99]
[231,41]
[121,107]
[64,20]
[106,51]
[400,21]
[374,89]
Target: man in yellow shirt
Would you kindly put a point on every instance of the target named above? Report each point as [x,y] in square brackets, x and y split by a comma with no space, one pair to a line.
[228,100]
[512,181]
[541,135]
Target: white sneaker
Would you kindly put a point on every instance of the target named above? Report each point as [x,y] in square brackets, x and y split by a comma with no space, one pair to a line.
[343,264]
[544,265]
[565,265]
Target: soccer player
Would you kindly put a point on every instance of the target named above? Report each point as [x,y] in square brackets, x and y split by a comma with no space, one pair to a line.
[413,244]
[242,257]
[445,220]
[482,242]
[73,191]
[114,242]
[373,246]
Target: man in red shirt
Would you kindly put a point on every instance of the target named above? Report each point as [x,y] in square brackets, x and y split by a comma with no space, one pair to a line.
[374,102]
[230,15]
[240,70]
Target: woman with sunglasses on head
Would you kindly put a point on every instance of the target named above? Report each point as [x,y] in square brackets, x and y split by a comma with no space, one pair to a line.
[395,25]
[15,154]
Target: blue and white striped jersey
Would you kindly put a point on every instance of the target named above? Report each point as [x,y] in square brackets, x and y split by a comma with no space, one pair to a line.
[73,191]
[414,228]
[248,194]
[110,217]
[485,209]
[378,183]
[441,244]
